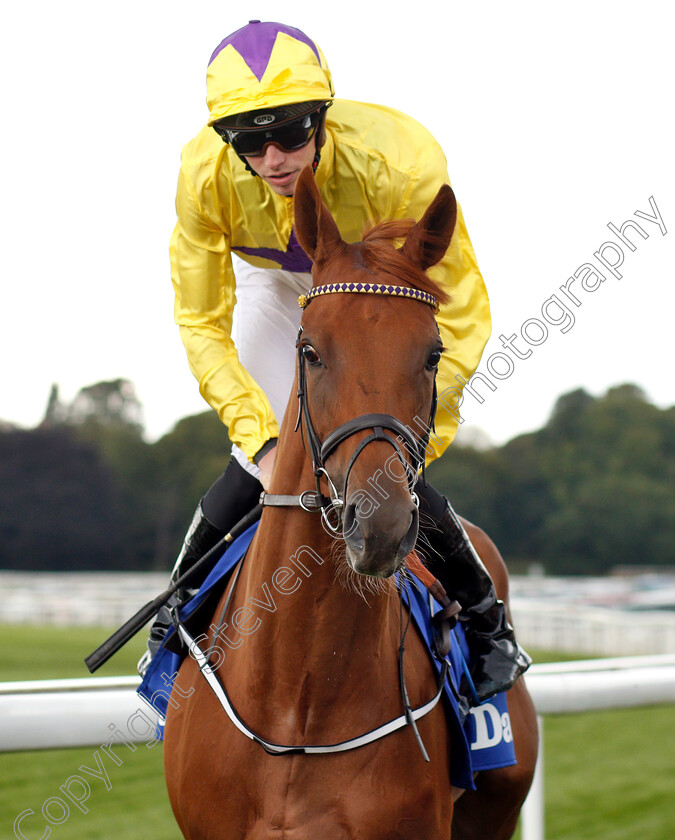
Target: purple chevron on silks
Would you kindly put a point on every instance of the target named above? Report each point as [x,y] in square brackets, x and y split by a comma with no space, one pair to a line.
[292,259]
[255,42]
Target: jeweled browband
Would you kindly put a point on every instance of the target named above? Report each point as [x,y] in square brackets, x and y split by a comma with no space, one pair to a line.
[369,288]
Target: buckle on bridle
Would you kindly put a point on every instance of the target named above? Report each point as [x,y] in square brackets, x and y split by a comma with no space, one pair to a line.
[310,501]
[336,503]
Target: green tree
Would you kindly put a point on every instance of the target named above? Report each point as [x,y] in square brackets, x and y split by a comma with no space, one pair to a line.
[186,462]
[59,503]
[594,488]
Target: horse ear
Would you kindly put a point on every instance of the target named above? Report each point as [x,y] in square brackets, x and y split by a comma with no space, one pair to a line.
[429,239]
[314,226]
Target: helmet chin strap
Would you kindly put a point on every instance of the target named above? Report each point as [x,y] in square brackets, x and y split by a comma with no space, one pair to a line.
[247,165]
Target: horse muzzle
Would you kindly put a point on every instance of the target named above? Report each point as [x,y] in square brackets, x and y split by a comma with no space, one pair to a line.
[379,539]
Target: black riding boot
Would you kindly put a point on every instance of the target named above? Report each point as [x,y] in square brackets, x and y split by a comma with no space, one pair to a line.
[201,536]
[226,502]
[498,659]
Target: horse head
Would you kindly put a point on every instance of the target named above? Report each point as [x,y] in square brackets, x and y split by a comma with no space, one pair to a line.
[366,369]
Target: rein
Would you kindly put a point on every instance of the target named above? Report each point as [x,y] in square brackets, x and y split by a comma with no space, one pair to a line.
[409,717]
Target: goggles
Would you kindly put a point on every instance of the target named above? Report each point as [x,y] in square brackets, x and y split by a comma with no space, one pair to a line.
[251,142]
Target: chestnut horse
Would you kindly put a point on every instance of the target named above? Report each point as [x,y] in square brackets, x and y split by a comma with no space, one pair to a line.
[312,622]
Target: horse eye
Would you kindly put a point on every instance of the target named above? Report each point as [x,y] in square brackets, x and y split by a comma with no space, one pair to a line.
[310,355]
[433,359]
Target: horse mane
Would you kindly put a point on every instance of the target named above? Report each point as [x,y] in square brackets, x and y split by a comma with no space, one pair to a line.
[381,255]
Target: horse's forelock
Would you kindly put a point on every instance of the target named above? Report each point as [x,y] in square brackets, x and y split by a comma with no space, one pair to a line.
[380,255]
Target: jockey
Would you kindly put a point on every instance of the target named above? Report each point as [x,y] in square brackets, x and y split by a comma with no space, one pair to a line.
[272,112]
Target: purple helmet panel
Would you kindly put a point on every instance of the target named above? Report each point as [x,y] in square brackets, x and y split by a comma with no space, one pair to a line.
[255,42]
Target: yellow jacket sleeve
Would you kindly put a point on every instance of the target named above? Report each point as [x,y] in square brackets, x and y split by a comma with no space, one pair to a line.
[464,322]
[204,286]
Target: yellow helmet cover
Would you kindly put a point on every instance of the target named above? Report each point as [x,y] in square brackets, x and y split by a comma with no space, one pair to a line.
[265,65]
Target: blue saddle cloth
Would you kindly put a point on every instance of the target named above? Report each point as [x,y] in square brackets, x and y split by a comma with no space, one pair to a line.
[481,740]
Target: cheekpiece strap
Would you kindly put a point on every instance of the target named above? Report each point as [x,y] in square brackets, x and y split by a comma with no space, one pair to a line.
[369,289]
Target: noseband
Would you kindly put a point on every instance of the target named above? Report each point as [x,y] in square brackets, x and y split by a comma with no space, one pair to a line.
[320,451]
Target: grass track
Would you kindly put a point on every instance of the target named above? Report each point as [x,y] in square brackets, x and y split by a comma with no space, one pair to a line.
[609,775]
[49,653]
[136,806]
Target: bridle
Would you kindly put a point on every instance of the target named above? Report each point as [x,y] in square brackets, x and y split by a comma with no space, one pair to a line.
[320,451]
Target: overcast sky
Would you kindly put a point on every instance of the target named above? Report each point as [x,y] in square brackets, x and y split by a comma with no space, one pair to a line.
[556,120]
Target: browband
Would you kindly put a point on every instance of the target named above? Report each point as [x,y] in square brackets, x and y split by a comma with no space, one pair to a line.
[369,288]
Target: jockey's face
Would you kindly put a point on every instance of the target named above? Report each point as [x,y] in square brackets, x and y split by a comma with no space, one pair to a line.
[281,169]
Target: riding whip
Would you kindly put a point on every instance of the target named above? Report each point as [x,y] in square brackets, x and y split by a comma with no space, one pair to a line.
[129,629]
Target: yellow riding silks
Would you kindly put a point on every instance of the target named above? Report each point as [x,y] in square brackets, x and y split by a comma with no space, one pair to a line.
[376,164]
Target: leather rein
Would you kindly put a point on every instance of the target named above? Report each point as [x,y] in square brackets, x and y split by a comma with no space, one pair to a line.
[310,501]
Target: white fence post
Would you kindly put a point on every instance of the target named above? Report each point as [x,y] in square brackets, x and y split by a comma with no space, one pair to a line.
[532,820]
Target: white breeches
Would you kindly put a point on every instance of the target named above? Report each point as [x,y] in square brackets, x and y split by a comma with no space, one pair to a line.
[264,329]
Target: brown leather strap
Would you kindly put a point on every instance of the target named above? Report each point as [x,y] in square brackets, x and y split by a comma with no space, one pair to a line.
[444,620]
[416,566]
[431,582]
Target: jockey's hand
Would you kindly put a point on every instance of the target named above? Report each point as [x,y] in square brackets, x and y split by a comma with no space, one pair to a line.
[266,465]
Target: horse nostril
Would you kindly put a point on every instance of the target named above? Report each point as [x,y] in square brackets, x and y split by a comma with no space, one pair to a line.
[351,530]
[409,540]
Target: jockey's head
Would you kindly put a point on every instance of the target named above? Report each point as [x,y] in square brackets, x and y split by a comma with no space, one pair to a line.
[268,88]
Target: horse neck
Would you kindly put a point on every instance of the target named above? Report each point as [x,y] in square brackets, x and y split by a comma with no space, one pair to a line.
[310,604]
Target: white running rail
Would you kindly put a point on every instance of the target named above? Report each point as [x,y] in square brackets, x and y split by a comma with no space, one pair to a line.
[51,714]
[589,685]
